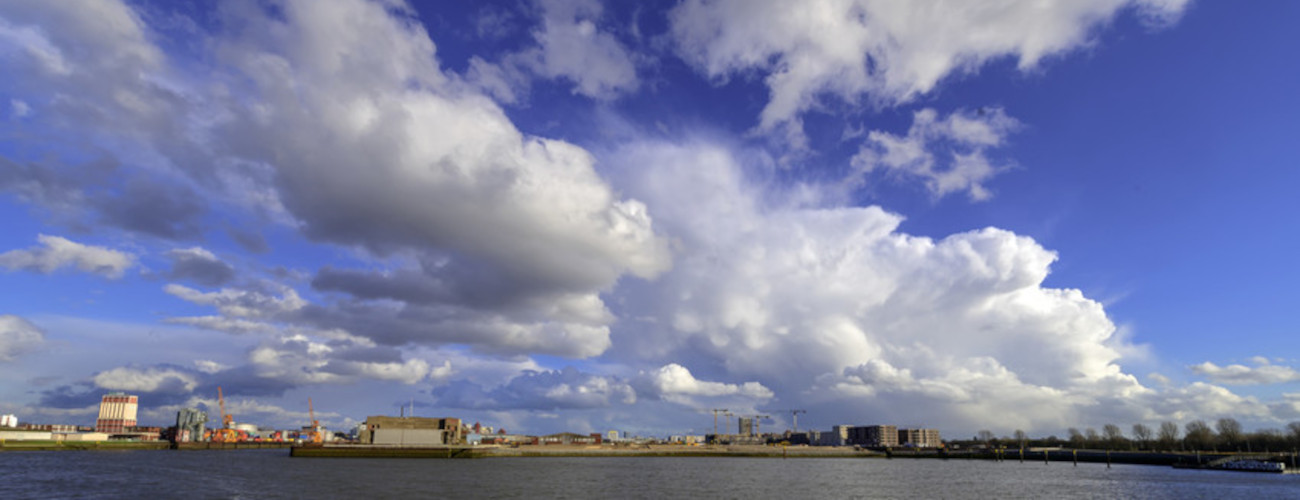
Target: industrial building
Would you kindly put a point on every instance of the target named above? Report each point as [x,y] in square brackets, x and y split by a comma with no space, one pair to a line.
[190,423]
[8,420]
[411,431]
[117,412]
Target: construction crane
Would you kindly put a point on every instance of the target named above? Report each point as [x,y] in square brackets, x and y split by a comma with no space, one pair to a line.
[226,434]
[314,433]
[716,411]
[794,416]
[758,423]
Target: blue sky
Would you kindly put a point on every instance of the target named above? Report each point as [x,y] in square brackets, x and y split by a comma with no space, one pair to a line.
[584,215]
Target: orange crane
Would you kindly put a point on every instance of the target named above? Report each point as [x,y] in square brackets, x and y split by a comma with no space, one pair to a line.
[226,434]
[315,433]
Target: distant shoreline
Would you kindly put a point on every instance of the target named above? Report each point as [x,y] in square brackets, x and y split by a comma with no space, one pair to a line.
[492,451]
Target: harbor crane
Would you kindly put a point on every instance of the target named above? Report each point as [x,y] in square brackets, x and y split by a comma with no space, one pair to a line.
[314,433]
[226,434]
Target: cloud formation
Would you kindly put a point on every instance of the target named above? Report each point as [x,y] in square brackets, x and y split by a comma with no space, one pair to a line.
[511,228]
[565,389]
[834,303]
[17,337]
[152,379]
[299,359]
[387,153]
[200,266]
[243,303]
[1263,372]
[572,46]
[57,252]
[946,154]
[570,388]
[881,52]
[675,383]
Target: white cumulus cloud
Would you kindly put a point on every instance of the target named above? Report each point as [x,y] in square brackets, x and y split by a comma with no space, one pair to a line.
[57,252]
[146,380]
[946,154]
[674,381]
[575,48]
[572,46]
[547,390]
[1263,372]
[238,303]
[834,305]
[299,359]
[885,52]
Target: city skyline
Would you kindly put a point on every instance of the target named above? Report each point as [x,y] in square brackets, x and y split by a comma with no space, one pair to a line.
[574,215]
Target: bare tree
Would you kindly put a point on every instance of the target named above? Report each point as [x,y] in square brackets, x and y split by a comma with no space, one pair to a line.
[1114,436]
[1092,437]
[1168,436]
[1266,439]
[1294,429]
[1021,438]
[1199,435]
[1229,432]
[1076,438]
[986,436]
[1142,434]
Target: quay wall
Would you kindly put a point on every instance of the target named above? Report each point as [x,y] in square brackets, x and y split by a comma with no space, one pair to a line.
[207,445]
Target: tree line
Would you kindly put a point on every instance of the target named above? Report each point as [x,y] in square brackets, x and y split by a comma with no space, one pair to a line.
[1225,434]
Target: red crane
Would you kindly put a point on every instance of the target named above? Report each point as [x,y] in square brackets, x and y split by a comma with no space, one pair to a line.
[227,432]
[314,433]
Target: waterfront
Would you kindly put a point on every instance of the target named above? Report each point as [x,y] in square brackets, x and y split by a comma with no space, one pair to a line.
[272,474]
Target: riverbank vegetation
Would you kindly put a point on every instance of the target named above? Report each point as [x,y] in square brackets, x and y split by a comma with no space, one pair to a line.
[1224,435]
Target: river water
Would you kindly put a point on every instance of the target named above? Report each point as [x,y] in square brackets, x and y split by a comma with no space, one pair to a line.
[273,474]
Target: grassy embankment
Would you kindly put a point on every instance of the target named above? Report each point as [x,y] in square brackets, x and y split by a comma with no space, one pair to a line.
[6,445]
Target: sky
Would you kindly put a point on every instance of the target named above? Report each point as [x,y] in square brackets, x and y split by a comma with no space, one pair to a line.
[575,215]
